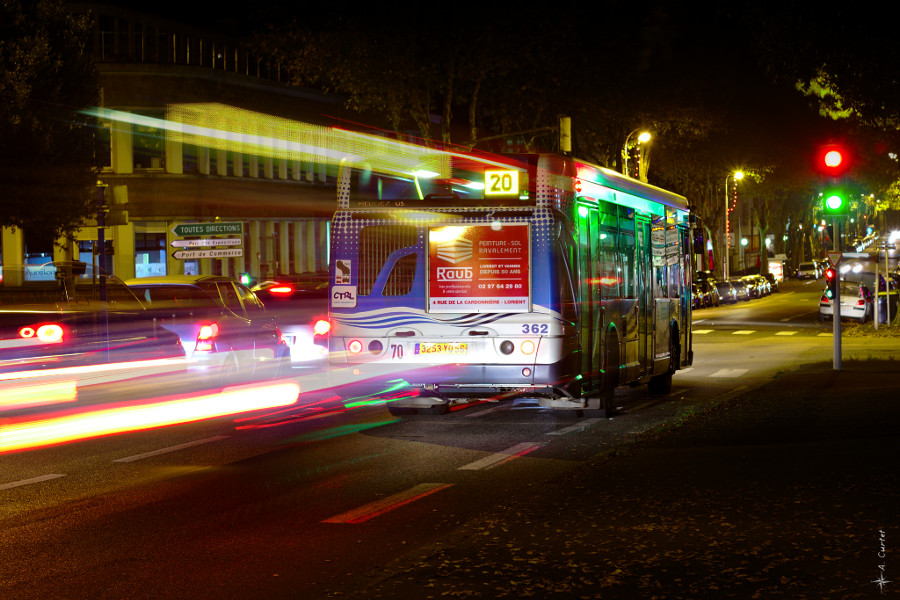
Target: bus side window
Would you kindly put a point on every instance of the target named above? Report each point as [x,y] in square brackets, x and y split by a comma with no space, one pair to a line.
[626,273]
[565,262]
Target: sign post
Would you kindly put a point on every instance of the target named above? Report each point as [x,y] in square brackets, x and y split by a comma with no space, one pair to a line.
[208,229]
[215,228]
[835,259]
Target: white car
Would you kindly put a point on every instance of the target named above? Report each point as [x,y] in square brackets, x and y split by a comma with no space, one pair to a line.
[856,303]
[807,270]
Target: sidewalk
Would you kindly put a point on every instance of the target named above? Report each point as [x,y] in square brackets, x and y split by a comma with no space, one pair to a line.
[792,491]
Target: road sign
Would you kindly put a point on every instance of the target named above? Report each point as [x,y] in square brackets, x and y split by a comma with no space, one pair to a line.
[834,258]
[207,242]
[215,228]
[193,254]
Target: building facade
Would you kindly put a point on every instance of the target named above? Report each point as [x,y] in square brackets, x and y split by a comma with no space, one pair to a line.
[151,183]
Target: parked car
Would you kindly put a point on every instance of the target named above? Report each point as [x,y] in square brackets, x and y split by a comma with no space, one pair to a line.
[856,303]
[300,306]
[726,292]
[773,282]
[698,296]
[710,292]
[741,289]
[72,317]
[808,270]
[705,276]
[225,330]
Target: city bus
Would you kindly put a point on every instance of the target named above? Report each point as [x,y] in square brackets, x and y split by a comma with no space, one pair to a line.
[535,275]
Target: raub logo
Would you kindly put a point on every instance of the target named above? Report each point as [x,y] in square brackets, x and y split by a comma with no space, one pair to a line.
[454,273]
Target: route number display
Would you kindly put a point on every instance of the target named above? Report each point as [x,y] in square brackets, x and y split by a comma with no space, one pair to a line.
[501,183]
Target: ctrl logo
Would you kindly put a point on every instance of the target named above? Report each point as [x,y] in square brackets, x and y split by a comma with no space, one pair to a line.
[454,273]
[343,296]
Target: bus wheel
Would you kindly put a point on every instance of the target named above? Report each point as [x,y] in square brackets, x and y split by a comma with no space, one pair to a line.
[662,384]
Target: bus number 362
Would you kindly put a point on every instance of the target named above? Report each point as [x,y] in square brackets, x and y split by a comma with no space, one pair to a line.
[535,329]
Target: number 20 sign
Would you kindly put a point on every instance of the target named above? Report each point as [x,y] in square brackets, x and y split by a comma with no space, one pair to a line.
[501,183]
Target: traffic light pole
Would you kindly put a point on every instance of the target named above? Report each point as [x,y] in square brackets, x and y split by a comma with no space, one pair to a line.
[836,301]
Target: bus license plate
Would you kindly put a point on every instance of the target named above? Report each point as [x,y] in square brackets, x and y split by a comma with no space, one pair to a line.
[442,348]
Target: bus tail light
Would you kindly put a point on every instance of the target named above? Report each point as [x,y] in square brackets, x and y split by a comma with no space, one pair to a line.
[528,347]
[355,346]
[206,338]
[526,372]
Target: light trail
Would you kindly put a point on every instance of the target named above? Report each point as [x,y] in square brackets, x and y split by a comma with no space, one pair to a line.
[160,412]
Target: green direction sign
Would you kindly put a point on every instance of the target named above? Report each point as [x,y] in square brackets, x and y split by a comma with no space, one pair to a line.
[216,228]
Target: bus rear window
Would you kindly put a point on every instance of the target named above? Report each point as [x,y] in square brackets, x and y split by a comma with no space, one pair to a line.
[381,255]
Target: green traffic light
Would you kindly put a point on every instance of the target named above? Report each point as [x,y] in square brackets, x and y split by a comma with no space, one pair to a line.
[834,202]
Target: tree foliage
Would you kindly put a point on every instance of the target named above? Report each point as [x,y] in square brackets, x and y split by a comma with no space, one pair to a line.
[46,150]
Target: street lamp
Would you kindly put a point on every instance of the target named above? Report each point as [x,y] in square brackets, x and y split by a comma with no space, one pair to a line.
[642,138]
[738,175]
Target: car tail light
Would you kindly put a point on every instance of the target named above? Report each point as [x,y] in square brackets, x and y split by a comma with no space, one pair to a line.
[48,333]
[860,302]
[281,290]
[206,338]
[825,300]
[322,327]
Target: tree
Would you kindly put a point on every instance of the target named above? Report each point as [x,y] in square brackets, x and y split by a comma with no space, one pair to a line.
[46,149]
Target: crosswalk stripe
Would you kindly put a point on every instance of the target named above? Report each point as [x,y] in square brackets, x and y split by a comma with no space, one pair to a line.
[786,333]
[729,373]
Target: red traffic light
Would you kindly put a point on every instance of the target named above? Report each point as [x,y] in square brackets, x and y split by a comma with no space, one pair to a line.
[832,160]
[829,273]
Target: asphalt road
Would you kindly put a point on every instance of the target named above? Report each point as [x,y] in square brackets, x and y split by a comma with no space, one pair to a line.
[745,481]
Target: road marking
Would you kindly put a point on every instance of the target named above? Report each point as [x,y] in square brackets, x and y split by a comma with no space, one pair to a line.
[786,333]
[577,427]
[6,486]
[825,335]
[170,449]
[498,458]
[702,331]
[380,507]
[729,372]
[481,413]
[743,332]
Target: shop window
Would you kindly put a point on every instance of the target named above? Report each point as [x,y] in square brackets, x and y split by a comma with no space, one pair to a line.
[149,254]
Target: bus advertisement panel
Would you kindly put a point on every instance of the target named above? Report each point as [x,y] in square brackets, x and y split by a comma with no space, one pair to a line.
[479,268]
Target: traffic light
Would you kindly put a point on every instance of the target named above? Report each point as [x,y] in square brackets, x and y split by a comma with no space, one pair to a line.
[834,201]
[831,282]
[832,160]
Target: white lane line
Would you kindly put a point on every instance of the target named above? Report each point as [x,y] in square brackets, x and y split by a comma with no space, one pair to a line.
[7,486]
[743,332]
[170,449]
[380,507]
[489,462]
[729,372]
[786,333]
[702,331]
[825,335]
[577,427]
